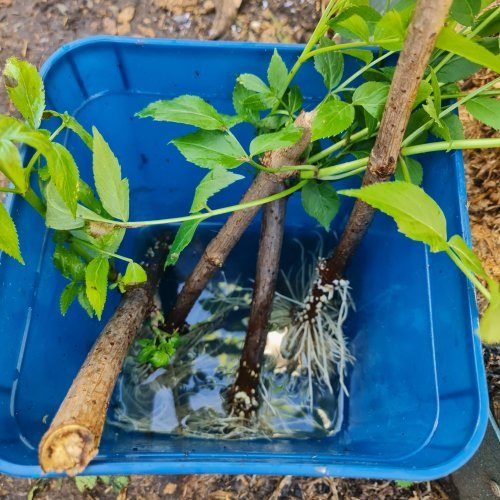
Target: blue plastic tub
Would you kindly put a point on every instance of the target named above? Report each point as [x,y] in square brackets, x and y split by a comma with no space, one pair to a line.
[418,403]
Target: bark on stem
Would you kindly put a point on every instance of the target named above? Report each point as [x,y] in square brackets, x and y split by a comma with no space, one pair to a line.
[75,432]
[243,395]
[265,184]
[428,19]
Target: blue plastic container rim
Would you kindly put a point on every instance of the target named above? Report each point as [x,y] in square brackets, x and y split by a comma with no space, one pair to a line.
[280,464]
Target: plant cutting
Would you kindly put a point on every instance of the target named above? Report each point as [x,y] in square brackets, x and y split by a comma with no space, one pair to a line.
[289,154]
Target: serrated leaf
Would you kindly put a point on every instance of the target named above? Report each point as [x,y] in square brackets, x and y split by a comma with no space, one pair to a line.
[182,240]
[64,174]
[58,215]
[489,327]
[329,65]
[423,92]
[134,274]
[293,99]
[15,130]
[457,44]
[159,359]
[277,75]
[332,118]
[111,188]
[354,27]
[186,109]
[69,264]
[467,256]
[85,482]
[11,165]
[458,68]
[415,172]
[240,94]
[217,179]
[72,124]
[210,149]
[9,241]
[465,11]
[275,140]
[84,302]
[417,215]
[365,55]
[68,295]
[253,82]
[486,110]
[451,128]
[87,197]
[372,97]
[390,27]
[96,283]
[25,88]
[145,353]
[321,202]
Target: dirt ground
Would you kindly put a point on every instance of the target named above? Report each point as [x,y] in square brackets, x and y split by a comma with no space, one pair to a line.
[33,29]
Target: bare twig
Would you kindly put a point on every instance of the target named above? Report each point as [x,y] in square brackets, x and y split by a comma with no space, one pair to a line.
[74,435]
[218,249]
[243,395]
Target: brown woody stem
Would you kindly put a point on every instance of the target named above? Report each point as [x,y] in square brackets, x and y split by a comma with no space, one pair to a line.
[243,395]
[75,432]
[265,184]
[428,20]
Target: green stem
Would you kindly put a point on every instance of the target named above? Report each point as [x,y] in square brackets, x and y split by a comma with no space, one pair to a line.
[31,197]
[9,190]
[100,250]
[356,171]
[404,168]
[203,216]
[464,94]
[350,45]
[35,157]
[470,275]
[338,145]
[362,70]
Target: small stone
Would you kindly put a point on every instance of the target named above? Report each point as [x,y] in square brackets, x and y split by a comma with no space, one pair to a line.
[126,15]
[109,26]
[123,29]
[5,3]
[170,489]
[145,31]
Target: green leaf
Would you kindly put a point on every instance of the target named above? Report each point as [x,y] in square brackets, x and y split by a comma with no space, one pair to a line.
[372,97]
[70,265]
[72,124]
[451,128]
[240,95]
[84,302]
[134,275]
[111,188]
[159,359]
[486,110]
[277,74]
[415,171]
[9,241]
[404,484]
[354,27]
[64,174]
[87,197]
[253,82]
[211,148]
[68,295]
[25,88]
[489,327]
[458,68]
[96,283]
[275,140]
[145,353]
[58,215]
[293,99]
[321,202]
[329,65]
[391,26]
[332,118]
[15,130]
[424,91]
[11,165]
[467,256]
[217,179]
[465,11]
[457,44]
[182,240]
[85,482]
[187,109]
[417,215]
[364,54]
[119,482]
